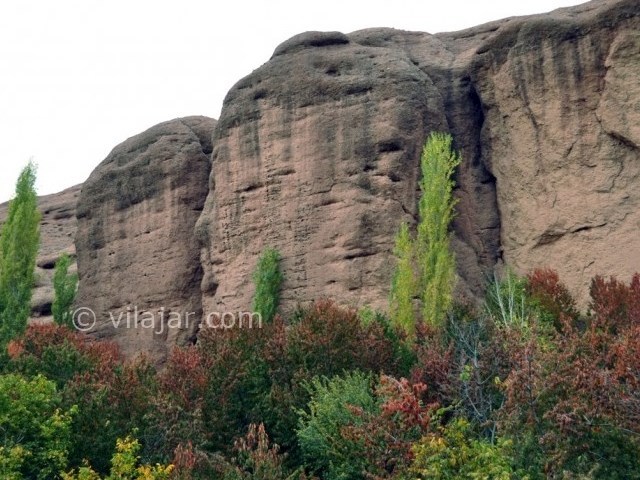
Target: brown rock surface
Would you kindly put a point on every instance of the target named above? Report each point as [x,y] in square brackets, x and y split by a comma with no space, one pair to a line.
[317,154]
[57,233]
[561,101]
[136,248]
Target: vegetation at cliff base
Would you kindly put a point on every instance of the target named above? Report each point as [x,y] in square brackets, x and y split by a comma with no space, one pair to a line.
[523,385]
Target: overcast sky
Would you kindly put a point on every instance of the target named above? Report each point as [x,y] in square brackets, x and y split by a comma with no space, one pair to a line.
[79,77]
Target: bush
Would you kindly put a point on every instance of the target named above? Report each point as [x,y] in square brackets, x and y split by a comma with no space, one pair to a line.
[333,407]
[58,353]
[555,303]
[36,431]
[454,454]
[258,459]
[125,465]
[268,280]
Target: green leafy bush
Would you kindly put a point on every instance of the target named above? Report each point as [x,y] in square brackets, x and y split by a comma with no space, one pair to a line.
[268,280]
[453,454]
[332,408]
[125,465]
[36,432]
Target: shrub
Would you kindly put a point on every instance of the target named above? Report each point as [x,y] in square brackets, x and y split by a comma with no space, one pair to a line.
[615,304]
[387,434]
[327,340]
[268,280]
[36,432]
[551,296]
[507,302]
[454,454]
[333,407]
[113,400]
[58,353]
[125,465]
[258,459]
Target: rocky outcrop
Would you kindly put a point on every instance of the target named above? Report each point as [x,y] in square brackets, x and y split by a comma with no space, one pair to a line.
[316,153]
[561,104]
[57,234]
[137,257]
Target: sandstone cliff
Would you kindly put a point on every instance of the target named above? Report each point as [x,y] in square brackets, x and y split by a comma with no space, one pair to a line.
[317,151]
[137,254]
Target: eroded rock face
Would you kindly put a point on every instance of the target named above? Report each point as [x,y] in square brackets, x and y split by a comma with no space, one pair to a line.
[317,154]
[561,100]
[314,155]
[135,240]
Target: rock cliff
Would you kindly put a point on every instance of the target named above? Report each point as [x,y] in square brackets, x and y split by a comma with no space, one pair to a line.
[137,257]
[316,153]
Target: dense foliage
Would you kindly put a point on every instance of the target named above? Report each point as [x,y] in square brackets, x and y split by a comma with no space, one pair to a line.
[267,278]
[19,240]
[426,264]
[551,394]
[524,386]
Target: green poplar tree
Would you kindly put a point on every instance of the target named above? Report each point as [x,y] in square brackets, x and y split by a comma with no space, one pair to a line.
[64,286]
[433,241]
[403,284]
[19,241]
[426,264]
[268,280]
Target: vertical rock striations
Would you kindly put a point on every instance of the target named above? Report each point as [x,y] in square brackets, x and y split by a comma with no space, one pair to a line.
[316,153]
[135,240]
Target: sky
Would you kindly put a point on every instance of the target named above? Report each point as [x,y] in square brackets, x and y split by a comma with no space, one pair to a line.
[79,77]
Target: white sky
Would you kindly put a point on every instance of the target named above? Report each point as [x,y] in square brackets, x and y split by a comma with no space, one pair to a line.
[79,77]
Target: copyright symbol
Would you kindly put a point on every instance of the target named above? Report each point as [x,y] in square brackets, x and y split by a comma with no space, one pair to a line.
[84,319]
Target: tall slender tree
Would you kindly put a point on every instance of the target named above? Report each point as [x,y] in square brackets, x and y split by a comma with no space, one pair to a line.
[19,241]
[403,284]
[426,264]
[433,241]
[64,287]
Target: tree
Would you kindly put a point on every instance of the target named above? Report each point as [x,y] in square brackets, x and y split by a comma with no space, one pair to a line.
[333,406]
[268,280]
[436,210]
[429,255]
[19,240]
[64,286]
[403,284]
[125,465]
